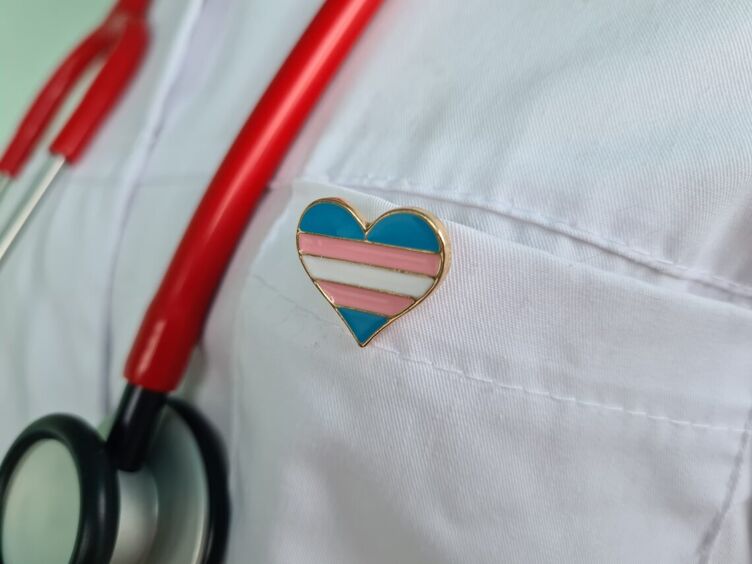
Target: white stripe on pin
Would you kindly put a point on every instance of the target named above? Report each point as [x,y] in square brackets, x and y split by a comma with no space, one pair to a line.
[364,276]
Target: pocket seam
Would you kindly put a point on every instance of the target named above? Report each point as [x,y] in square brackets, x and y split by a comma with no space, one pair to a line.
[540,394]
[568,228]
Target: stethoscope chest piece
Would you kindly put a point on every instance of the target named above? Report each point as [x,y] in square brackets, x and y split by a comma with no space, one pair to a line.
[155,490]
[63,500]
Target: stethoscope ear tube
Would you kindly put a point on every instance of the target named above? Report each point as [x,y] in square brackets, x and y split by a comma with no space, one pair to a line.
[121,39]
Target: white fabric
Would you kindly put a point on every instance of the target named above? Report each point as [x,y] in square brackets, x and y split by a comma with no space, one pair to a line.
[580,387]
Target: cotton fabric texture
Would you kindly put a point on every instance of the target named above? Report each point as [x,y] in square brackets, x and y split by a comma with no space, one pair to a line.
[578,389]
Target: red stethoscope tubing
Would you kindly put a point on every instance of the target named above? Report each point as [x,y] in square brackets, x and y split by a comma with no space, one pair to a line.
[121,39]
[174,320]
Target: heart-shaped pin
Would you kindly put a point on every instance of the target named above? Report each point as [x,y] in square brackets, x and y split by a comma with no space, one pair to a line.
[371,273]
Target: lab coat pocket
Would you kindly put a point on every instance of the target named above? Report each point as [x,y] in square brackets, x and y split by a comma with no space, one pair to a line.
[530,410]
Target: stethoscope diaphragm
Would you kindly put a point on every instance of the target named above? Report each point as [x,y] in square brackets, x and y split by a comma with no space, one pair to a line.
[64,501]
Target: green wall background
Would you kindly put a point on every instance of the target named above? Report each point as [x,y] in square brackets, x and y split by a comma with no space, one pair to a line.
[34,36]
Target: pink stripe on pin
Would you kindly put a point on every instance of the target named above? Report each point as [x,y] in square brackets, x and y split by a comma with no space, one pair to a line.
[370,253]
[366,300]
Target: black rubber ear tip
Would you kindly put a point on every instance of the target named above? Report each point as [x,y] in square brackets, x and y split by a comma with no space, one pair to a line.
[100,501]
[215,468]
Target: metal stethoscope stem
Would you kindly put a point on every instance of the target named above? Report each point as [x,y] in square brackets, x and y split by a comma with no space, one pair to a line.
[49,172]
[4,183]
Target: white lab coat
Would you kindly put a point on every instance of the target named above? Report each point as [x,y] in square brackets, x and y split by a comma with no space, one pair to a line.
[578,390]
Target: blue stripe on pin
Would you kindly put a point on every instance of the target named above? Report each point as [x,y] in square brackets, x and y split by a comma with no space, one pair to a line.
[405,230]
[332,219]
[362,324]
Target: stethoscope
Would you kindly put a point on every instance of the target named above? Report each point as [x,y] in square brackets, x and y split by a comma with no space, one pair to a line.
[155,489]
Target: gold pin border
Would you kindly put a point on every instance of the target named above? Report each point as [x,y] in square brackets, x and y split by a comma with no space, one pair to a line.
[445,252]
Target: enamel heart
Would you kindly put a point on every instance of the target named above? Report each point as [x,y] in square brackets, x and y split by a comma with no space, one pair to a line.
[371,273]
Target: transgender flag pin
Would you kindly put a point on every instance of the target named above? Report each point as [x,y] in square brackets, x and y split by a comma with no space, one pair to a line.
[371,273]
